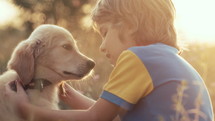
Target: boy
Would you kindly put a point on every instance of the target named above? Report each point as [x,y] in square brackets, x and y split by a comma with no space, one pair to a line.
[139,39]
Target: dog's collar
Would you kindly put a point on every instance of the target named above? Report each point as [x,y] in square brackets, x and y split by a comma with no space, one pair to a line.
[39,84]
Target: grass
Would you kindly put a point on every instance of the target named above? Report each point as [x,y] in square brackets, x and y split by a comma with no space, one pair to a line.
[181,113]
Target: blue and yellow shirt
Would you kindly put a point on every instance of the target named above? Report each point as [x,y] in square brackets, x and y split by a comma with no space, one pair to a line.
[146,82]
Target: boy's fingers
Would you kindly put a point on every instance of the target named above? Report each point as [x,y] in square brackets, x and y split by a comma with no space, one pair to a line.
[7,86]
[67,86]
[19,87]
[61,88]
[65,89]
[7,89]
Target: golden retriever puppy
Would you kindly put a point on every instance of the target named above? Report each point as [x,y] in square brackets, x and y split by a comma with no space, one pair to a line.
[41,62]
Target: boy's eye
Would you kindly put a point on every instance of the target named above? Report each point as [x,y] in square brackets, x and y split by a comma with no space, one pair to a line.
[67,47]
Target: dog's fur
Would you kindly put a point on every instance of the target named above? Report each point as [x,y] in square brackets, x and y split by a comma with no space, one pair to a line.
[50,53]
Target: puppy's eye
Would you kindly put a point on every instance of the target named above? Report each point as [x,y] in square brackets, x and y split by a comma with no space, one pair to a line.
[67,47]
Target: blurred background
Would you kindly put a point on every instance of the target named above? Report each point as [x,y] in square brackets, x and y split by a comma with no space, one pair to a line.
[194,22]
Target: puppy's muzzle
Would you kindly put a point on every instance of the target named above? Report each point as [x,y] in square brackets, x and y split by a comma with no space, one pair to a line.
[83,70]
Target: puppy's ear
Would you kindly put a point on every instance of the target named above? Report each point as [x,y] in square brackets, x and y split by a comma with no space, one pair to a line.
[22,60]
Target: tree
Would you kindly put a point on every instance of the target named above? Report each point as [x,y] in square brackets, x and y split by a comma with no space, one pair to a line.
[65,13]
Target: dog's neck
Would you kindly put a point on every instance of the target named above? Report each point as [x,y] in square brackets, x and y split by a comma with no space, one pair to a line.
[42,72]
[39,84]
[43,78]
[46,95]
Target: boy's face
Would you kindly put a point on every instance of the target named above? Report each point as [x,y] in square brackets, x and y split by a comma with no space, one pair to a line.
[111,45]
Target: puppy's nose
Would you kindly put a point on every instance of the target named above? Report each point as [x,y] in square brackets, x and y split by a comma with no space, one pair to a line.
[90,64]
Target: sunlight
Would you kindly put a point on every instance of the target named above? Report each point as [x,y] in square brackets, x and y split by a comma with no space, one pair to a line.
[7,12]
[196,19]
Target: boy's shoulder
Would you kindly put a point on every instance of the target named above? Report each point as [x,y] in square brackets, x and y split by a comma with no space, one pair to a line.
[157,48]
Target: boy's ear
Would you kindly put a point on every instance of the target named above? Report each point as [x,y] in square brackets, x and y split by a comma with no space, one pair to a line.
[23,60]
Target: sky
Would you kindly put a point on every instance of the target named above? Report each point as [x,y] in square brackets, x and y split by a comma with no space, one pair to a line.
[195,19]
[7,12]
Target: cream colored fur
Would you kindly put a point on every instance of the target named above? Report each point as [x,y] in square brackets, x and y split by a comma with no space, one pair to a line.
[51,53]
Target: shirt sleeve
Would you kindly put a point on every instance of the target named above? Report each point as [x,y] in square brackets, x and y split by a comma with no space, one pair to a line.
[128,82]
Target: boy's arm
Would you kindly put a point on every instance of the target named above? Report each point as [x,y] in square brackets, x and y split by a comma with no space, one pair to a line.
[102,110]
[75,99]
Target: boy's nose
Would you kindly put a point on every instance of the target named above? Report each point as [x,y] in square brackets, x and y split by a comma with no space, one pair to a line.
[102,49]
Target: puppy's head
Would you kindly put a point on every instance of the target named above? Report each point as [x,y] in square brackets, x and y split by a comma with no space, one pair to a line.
[61,54]
[53,48]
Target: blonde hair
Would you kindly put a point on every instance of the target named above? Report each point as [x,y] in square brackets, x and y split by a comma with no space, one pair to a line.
[152,21]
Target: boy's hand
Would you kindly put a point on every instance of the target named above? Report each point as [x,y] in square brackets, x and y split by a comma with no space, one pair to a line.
[65,92]
[16,97]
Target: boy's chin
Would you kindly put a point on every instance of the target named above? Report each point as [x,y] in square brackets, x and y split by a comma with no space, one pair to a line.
[112,63]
